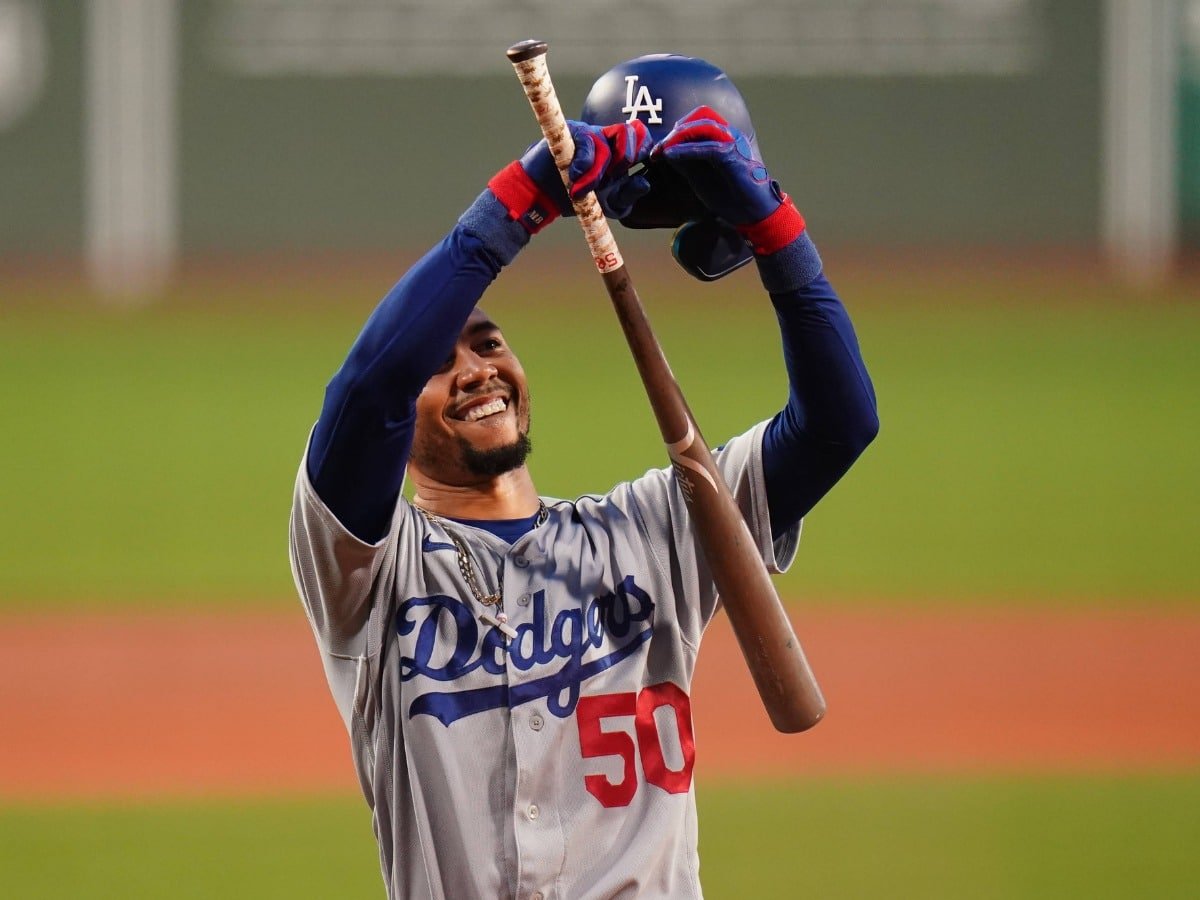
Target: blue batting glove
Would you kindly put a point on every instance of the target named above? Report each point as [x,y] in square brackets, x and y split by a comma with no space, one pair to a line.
[603,158]
[718,162]
[719,165]
[532,189]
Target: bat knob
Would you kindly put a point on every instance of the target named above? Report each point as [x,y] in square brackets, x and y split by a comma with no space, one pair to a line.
[526,50]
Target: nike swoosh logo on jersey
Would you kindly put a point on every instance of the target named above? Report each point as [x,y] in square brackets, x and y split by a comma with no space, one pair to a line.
[429,545]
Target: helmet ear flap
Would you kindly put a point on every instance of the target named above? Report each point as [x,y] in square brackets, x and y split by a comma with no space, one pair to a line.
[707,249]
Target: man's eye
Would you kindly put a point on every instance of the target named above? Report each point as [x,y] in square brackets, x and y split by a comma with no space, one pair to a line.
[491,344]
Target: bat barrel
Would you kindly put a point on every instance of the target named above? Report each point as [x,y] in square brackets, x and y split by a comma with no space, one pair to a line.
[774,656]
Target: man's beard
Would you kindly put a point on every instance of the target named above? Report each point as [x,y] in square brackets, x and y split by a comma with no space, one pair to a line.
[497,460]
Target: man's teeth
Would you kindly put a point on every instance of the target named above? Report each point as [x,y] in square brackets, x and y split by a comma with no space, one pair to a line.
[475,413]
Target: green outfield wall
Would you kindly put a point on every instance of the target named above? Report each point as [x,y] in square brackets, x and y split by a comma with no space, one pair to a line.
[313,125]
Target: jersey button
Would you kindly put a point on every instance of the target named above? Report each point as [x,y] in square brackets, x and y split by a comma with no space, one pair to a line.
[520,562]
[534,812]
[538,896]
[536,722]
[523,600]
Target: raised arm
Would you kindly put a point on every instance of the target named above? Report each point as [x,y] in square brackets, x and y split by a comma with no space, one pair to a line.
[359,448]
[830,416]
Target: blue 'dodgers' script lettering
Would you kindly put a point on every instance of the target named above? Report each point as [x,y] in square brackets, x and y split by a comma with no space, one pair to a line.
[624,618]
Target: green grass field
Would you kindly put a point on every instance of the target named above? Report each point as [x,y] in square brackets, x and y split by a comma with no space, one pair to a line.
[926,839]
[1037,448]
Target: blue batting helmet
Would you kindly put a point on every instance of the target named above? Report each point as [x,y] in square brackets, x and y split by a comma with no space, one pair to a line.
[660,89]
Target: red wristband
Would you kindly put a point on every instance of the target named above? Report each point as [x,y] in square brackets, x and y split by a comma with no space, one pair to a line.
[523,199]
[776,231]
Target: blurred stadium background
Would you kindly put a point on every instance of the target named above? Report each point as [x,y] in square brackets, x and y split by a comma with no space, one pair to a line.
[199,203]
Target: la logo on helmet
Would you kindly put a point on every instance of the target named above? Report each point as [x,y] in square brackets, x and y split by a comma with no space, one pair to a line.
[643,102]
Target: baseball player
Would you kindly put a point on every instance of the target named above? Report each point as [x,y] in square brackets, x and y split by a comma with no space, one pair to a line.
[514,670]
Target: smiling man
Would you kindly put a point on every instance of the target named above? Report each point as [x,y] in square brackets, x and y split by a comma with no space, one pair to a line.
[514,670]
[472,431]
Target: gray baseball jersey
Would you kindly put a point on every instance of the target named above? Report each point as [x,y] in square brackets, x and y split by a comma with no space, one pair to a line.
[548,754]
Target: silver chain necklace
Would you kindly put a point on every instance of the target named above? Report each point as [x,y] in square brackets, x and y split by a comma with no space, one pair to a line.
[467,567]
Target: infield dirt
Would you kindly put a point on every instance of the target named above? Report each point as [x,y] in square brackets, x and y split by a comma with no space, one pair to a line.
[135,705]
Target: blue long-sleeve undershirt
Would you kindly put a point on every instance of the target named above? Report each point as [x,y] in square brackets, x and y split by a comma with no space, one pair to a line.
[360,445]
[830,416]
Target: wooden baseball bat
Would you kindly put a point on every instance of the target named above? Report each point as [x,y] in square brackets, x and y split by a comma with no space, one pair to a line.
[781,673]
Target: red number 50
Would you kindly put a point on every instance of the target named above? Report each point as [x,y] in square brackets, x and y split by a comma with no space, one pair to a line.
[594,741]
